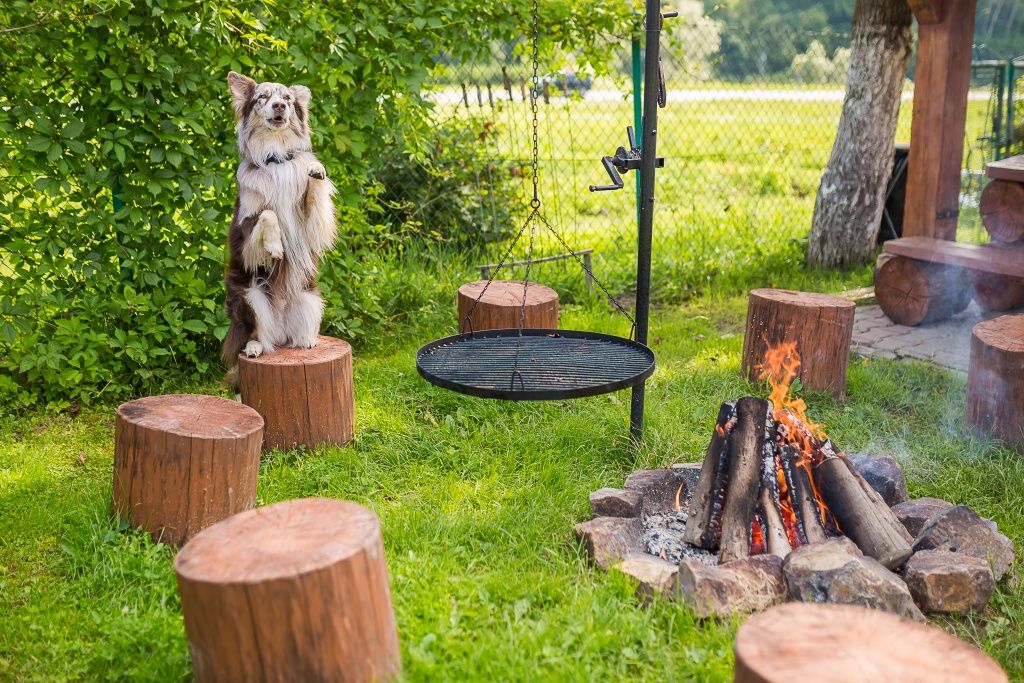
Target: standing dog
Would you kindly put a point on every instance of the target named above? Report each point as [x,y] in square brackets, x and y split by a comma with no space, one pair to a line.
[284,221]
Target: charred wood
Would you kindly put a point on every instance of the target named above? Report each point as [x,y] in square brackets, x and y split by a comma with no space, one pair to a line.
[746,448]
[709,495]
[862,513]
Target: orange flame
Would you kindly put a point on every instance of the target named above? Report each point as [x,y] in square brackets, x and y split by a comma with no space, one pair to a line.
[679,508]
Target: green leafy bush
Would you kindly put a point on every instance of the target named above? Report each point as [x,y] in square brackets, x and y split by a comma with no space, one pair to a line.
[118,185]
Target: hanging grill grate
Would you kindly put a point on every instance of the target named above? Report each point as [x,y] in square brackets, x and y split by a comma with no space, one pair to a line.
[535,365]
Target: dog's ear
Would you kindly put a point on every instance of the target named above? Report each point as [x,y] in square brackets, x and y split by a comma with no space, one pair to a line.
[301,94]
[241,88]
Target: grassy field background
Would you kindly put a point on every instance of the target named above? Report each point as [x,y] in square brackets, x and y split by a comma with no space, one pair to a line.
[478,499]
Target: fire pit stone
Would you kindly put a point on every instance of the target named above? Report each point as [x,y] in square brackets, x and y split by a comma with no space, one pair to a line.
[738,586]
[836,571]
[609,502]
[959,529]
[943,581]
[915,513]
[884,475]
[609,539]
[656,576]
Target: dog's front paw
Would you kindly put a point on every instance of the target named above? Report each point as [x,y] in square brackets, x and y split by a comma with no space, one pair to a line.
[253,349]
[274,247]
[304,342]
[317,170]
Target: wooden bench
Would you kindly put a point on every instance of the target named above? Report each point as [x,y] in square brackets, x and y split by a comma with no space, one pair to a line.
[1011,168]
[921,279]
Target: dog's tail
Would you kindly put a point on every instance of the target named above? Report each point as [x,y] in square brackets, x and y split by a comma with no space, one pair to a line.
[234,342]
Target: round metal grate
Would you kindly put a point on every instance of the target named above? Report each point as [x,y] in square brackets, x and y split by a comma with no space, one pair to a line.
[534,364]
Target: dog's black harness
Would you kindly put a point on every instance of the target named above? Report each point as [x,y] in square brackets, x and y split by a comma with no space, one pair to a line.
[275,159]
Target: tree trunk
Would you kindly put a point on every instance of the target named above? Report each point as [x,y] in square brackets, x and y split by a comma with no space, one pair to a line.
[848,208]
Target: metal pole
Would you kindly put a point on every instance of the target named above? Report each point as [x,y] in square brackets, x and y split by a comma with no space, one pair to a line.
[638,124]
[647,166]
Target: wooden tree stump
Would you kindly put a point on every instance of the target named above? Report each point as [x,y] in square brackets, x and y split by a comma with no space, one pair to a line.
[501,304]
[995,378]
[995,292]
[912,292]
[1002,210]
[296,591]
[802,641]
[821,325]
[304,395]
[183,462]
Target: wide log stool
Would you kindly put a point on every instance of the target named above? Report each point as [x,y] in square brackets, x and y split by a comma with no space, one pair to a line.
[296,591]
[820,324]
[183,462]
[829,643]
[304,395]
[913,292]
[500,306]
[995,378]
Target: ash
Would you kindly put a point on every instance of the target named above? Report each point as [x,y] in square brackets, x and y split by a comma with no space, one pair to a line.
[663,537]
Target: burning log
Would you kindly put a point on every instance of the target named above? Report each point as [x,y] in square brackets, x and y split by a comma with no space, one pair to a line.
[806,508]
[863,514]
[776,539]
[705,509]
[746,449]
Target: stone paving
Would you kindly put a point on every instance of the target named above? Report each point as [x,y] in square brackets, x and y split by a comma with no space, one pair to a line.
[946,344]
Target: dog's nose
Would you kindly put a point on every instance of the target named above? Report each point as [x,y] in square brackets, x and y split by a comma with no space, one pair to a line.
[278,107]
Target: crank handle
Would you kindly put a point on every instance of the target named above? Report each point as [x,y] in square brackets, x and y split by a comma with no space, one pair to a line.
[612,173]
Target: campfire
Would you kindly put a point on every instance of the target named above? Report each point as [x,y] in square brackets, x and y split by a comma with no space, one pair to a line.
[772,481]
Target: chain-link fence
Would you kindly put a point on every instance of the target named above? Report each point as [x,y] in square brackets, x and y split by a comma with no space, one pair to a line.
[747,131]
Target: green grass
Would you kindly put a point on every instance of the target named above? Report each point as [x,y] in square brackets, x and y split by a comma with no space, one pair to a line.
[478,499]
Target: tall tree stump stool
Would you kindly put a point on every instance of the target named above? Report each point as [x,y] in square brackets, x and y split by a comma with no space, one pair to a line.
[995,378]
[183,462]
[296,591]
[304,395]
[820,324]
[827,643]
[912,292]
[500,306]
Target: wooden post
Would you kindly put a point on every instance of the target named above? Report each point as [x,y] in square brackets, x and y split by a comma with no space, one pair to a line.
[296,591]
[941,80]
[820,324]
[502,302]
[802,641]
[183,462]
[304,395]
[995,378]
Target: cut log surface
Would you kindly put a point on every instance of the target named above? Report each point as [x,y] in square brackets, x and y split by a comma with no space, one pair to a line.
[820,324]
[500,306]
[862,513]
[296,591]
[183,462]
[995,378]
[1011,168]
[912,292]
[997,292]
[304,395]
[829,643]
[1002,210]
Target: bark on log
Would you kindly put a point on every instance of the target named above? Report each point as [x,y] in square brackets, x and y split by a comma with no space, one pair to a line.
[699,529]
[1002,210]
[912,292]
[995,292]
[806,507]
[304,395]
[862,513]
[502,303]
[183,462]
[820,324]
[995,378]
[850,199]
[802,641]
[746,449]
[296,591]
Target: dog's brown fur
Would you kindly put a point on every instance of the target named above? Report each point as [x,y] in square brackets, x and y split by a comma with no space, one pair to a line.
[283,222]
